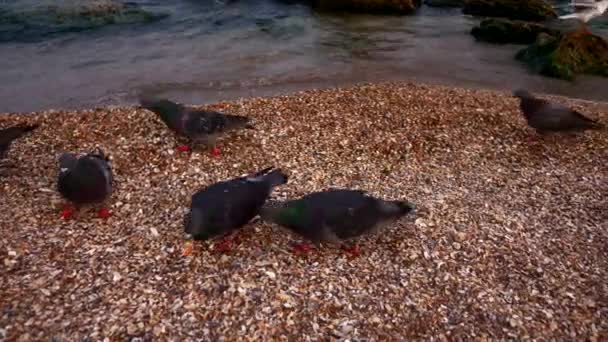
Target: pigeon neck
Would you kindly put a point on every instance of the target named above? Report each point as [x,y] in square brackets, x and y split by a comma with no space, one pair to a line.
[530,106]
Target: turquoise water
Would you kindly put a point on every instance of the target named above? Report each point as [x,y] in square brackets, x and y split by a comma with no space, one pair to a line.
[204,51]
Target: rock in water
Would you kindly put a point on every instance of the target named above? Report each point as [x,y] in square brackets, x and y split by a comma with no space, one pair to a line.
[578,52]
[85,179]
[335,215]
[445,3]
[27,20]
[200,126]
[398,7]
[9,134]
[546,117]
[226,206]
[527,10]
[505,31]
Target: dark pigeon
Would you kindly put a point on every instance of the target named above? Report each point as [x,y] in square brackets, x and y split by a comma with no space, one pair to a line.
[84,180]
[200,126]
[224,207]
[334,215]
[9,134]
[546,117]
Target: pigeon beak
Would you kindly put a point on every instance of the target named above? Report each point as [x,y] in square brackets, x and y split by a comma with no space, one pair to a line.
[414,210]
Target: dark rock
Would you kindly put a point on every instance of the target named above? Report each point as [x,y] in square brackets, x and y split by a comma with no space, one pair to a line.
[505,31]
[26,20]
[528,10]
[578,52]
[368,6]
[445,3]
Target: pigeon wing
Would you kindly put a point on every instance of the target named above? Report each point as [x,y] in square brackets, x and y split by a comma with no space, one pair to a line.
[103,164]
[201,123]
[334,214]
[228,205]
[557,117]
[352,214]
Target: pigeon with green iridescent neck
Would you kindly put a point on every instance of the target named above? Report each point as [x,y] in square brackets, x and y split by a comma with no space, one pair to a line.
[199,126]
[334,216]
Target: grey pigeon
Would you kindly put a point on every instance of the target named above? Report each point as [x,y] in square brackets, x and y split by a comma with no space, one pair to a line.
[547,117]
[200,126]
[84,180]
[9,134]
[334,215]
[224,207]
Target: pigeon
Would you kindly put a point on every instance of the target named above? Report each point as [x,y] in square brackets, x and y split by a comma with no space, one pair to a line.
[200,126]
[591,10]
[224,207]
[334,216]
[9,134]
[85,179]
[546,117]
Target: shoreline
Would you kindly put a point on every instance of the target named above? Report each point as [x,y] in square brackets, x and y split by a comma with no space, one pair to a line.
[295,89]
[508,242]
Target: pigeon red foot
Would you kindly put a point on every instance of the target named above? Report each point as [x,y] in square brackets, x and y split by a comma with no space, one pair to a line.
[225,245]
[215,152]
[301,248]
[104,213]
[189,247]
[353,250]
[67,212]
[183,148]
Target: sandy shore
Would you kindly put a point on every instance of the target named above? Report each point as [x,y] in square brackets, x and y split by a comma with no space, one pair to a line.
[510,241]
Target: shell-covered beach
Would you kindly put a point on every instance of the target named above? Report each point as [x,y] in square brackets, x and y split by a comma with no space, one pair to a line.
[510,238]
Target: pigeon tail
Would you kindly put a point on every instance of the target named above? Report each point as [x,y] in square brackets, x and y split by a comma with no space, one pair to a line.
[274,177]
[99,153]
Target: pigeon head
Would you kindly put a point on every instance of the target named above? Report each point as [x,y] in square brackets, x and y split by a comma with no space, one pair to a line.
[67,161]
[397,208]
[406,207]
[99,153]
[522,94]
[194,224]
[159,105]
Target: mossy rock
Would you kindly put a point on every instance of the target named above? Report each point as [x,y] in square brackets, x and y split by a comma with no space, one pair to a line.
[528,10]
[369,6]
[505,31]
[27,19]
[578,52]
